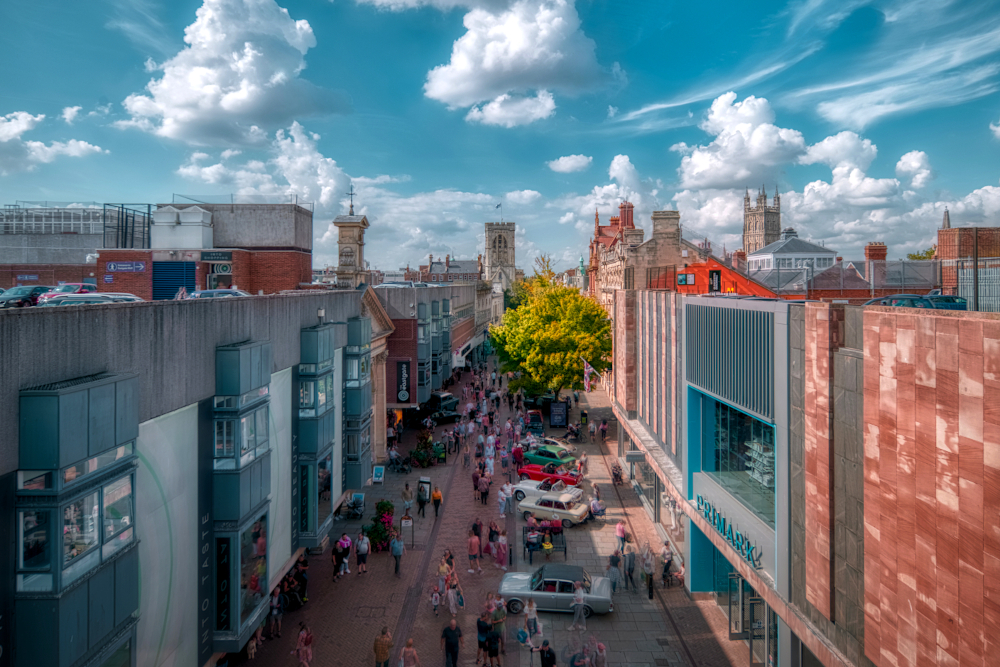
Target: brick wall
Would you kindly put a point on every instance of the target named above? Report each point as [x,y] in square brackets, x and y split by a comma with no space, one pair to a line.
[462,332]
[140,284]
[48,274]
[401,346]
[624,351]
[932,487]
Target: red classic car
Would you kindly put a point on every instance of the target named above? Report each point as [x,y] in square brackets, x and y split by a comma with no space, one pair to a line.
[552,471]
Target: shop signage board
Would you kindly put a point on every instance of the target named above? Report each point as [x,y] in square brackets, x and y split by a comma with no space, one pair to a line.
[557,414]
[126,267]
[109,277]
[378,474]
[403,381]
[735,538]
[715,280]
[216,256]
[28,277]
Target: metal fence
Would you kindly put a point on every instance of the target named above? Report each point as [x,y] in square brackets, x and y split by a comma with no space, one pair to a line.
[52,218]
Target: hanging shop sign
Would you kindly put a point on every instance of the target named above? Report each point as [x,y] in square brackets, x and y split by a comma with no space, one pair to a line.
[403,381]
[736,539]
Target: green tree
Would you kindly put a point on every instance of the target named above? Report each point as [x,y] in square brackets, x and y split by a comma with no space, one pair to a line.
[548,335]
[543,267]
[923,254]
[515,295]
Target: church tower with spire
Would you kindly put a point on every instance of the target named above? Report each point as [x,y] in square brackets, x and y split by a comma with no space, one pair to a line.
[761,223]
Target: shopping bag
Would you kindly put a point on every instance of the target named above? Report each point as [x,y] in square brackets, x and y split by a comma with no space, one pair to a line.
[522,636]
[461,601]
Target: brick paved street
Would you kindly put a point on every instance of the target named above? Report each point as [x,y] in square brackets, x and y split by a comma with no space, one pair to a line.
[670,630]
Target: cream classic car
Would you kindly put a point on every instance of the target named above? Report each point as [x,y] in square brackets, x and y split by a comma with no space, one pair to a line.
[562,507]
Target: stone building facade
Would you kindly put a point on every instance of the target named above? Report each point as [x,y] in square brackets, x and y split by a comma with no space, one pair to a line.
[499,258]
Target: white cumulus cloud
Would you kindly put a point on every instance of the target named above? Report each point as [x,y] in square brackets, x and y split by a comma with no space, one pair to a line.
[508,51]
[845,148]
[747,148]
[69,114]
[995,128]
[240,71]
[915,167]
[511,111]
[17,154]
[523,196]
[569,163]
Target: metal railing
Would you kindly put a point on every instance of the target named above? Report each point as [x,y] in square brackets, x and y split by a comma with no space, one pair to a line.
[43,219]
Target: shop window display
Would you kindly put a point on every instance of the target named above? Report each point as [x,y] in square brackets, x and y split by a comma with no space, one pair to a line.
[253,567]
[324,473]
[117,515]
[739,454]
[80,536]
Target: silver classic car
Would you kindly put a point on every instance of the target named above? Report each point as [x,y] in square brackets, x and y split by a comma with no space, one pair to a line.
[551,586]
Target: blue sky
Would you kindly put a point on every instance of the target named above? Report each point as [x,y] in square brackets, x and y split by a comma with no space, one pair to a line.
[870,117]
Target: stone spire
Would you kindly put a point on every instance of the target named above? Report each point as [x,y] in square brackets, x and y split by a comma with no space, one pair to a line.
[946,223]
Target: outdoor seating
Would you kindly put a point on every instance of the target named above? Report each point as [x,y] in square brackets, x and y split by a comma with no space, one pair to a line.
[558,544]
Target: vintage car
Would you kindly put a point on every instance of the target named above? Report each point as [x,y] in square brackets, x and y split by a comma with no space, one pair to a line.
[552,442]
[550,471]
[551,587]
[563,507]
[532,489]
[549,454]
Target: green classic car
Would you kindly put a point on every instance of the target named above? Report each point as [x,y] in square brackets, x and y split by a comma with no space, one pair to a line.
[549,454]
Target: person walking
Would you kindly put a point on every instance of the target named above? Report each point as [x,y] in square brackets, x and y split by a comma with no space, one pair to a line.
[346,541]
[382,645]
[338,556]
[502,501]
[620,535]
[277,612]
[579,617]
[436,497]
[498,618]
[500,551]
[474,553]
[593,431]
[547,655]
[475,484]
[361,549]
[303,645]
[444,572]
[484,488]
[647,568]
[451,642]
[397,548]
[407,495]
[604,430]
[531,618]
[614,574]
[483,628]
[629,562]
[455,597]
[409,657]
[422,501]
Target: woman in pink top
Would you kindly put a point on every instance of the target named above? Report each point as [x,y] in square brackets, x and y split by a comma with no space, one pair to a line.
[409,656]
[474,552]
[620,534]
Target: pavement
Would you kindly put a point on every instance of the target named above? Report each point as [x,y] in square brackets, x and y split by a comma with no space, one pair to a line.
[345,617]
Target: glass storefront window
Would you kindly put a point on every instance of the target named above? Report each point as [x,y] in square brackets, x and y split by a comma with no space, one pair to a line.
[92,465]
[225,437]
[253,567]
[118,516]
[80,536]
[324,482]
[738,451]
[35,551]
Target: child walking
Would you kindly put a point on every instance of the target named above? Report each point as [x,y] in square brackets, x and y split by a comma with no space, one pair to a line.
[436,599]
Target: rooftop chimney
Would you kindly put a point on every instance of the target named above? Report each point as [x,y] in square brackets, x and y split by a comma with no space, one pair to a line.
[739,261]
[625,215]
[876,251]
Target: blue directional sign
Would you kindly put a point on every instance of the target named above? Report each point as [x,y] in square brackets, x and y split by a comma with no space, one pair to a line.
[126,267]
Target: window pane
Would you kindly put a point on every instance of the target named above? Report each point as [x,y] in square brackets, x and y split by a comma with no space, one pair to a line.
[79,528]
[253,567]
[306,391]
[321,396]
[224,438]
[117,506]
[262,429]
[352,369]
[92,465]
[35,549]
[249,434]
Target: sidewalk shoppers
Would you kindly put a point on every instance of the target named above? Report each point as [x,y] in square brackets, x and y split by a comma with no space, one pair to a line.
[303,645]
[451,641]
[455,598]
[339,555]
[579,619]
[346,541]
[498,618]
[613,573]
[361,549]
[647,568]
[484,488]
[629,559]
[531,618]
[500,551]
[407,495]
[546,653]
[620,535]
[382,645]
[667,556]
[421,501]
[436,497]
[474,553]
[409,656]
[277,612]
[397,548]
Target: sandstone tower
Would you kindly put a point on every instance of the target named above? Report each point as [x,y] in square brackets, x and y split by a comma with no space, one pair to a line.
[761,223]
[499,264]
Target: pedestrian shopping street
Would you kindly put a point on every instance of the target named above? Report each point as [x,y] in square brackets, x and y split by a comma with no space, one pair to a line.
[345,616]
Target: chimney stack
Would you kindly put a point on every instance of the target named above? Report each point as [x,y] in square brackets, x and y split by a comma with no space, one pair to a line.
[739,261]
[447,262]
[876,251]
[625,215]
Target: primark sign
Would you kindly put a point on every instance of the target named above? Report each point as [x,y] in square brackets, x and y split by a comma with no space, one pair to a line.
[736,539]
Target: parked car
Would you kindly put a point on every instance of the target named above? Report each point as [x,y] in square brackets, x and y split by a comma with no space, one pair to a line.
[550,471]
[22,297]
[562,507]
[67,288]
[529,488]
[440,401]
[534,423]
[551,586]
[948,302]
[901,301]
[549,454]
[75,300]
[121,296]
[216,293]
[445,416]
[537,441]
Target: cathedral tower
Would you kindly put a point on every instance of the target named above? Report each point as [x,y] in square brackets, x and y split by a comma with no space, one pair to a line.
[761,223]
[499,264]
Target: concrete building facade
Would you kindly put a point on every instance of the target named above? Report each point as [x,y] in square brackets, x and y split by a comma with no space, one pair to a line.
[192,459]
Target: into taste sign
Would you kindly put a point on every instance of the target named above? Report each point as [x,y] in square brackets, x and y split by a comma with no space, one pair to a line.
[736,539]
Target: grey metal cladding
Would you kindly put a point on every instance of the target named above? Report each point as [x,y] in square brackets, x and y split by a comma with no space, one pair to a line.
[730,353]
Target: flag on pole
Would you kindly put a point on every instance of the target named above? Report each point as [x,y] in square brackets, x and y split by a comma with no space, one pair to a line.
[587,370]
[497,206]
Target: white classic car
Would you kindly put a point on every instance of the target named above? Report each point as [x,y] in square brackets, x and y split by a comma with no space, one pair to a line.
[555,506]
[532,489]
